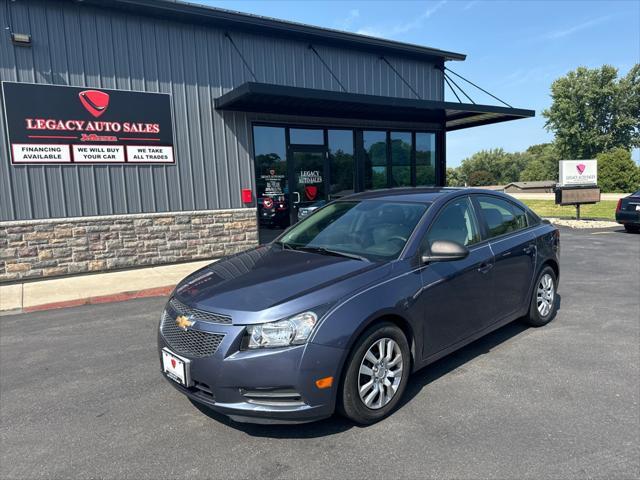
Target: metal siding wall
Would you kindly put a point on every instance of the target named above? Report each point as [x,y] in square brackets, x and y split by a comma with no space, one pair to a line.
[79,45]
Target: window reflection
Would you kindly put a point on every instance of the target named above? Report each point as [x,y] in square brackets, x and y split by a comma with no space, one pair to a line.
[375,150]
[400,159]
[425,158]
[342,162]
[270,160]
[306,136]
[271,175]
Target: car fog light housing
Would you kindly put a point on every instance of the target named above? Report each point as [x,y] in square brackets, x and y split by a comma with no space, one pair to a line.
[291,331]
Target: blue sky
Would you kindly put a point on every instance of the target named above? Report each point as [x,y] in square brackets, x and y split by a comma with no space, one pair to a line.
[514,49]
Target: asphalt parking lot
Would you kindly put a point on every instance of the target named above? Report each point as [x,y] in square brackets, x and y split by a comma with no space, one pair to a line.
[81,396]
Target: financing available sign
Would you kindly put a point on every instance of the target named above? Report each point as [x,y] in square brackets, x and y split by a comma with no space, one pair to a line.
[52,124]
[578,172]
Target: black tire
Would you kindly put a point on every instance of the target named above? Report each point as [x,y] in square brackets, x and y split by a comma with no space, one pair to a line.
[632,228]
[535,318]
[349,402]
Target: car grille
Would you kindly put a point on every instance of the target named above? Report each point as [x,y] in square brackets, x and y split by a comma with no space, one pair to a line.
[192,343]
[181,309]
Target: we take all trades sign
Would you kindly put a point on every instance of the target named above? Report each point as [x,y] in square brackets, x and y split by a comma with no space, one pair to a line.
[52,124]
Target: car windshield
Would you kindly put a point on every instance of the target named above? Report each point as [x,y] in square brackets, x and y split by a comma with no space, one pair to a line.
[373,230]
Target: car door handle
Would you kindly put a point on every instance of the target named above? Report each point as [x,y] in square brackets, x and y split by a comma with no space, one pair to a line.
[485,267]
[529,249]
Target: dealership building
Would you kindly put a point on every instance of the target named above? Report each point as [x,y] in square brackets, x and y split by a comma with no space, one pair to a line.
[146,132]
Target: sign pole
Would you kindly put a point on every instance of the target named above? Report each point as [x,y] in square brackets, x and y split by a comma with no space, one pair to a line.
[577,211]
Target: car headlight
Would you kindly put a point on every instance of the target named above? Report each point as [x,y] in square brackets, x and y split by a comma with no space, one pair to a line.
[291,331]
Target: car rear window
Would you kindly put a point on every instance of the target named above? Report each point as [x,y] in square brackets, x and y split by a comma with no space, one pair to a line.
[501,216]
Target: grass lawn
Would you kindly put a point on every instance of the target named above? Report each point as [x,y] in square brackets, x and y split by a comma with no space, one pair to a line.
[605,209]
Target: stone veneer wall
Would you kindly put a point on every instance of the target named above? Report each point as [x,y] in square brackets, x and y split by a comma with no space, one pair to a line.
[46,248]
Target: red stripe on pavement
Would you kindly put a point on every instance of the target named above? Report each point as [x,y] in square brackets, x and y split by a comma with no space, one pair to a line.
[116,297]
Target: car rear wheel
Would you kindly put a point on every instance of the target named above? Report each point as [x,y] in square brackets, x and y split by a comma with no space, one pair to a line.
[632,228]
[544,300]
[376,374]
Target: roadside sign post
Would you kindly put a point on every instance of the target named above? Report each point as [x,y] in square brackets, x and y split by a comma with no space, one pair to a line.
[578,183]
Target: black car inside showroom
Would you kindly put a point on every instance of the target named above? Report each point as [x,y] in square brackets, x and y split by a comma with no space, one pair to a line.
[117,111]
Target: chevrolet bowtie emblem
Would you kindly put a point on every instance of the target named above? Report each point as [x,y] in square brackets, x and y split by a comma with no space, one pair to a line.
[183,322]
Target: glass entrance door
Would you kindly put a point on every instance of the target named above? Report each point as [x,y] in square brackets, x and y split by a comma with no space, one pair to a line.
[309,177]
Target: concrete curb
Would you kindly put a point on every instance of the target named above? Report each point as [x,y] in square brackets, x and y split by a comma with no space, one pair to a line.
[117,297]
[106,287]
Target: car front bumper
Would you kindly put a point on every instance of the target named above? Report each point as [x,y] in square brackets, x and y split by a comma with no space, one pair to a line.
[262,385]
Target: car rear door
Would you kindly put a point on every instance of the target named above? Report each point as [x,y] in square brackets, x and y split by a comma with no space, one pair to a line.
[514,249]
[457,296]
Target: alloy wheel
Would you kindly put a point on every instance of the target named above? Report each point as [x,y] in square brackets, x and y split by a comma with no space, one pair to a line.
[545,295]
[380,373]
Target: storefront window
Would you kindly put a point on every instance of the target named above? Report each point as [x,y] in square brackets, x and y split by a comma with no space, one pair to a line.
[270,162]
[342,162]
[306,136]
[425,158]
[375,150]
[400,159]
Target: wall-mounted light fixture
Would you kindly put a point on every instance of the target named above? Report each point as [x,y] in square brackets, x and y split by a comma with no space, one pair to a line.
[22,39]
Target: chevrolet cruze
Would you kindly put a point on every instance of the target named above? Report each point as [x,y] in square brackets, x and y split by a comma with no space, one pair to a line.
[338,311]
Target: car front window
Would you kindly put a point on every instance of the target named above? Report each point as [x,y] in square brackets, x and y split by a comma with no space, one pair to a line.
[373,229]
[455,223]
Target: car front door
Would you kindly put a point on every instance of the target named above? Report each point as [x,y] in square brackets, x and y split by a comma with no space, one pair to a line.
[456,297]
[514,249]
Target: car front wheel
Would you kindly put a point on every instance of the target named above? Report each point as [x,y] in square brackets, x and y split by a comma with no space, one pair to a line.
[543,302]
[376,374]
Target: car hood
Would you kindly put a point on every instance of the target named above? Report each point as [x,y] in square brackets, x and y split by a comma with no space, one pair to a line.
[268,283]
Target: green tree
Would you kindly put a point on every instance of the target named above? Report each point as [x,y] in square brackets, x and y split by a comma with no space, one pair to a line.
[617,172]
[497,166]
[542,163]
[593,111]
[480,178]
[454,177]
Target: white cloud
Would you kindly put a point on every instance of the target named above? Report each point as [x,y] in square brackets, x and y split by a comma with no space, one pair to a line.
[347,22]
[401,28]
[471,4]
[419,20]
[575,28]
[370,32]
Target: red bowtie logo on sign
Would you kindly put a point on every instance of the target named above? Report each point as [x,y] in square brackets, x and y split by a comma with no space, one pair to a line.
[311,191]
[581,167]
[173,363]
[95,101]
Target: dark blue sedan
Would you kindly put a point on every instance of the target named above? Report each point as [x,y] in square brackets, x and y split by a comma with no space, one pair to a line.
[341,308]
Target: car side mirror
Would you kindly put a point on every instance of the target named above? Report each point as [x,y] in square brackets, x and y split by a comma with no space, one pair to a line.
[445,251]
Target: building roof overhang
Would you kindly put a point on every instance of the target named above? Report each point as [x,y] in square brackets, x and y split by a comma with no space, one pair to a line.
[285,100]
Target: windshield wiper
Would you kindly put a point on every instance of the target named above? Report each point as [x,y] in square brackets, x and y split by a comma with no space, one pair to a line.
[327,251]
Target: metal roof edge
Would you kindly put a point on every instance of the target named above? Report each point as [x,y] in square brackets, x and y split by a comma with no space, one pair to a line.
[178,9]
[269,89]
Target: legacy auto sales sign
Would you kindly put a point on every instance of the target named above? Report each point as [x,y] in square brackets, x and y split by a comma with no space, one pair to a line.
[50,124]
[578,172]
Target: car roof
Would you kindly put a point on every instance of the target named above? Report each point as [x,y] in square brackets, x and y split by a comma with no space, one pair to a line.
[418,194]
